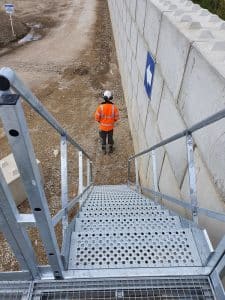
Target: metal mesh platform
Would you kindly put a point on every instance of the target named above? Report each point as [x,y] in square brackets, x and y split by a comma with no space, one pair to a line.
[196,288]
[14,290]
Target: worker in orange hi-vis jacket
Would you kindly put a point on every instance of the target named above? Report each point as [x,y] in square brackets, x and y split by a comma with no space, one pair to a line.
[107,114]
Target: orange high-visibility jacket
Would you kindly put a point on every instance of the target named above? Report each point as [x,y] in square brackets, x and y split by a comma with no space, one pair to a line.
[106,114]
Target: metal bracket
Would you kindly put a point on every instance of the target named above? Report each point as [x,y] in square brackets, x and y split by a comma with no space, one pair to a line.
[9,99]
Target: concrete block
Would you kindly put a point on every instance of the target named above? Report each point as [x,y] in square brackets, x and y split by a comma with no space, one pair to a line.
[142,100]
[157,90]
[133,4]
[141,55]
[168,185]
[134,36]
[153,137]
[129,56]
[207,198]
[170,123]
[140,14]
[134,77]
[202,95]
[172,57]
[152,26]
[128,25]
[12,177]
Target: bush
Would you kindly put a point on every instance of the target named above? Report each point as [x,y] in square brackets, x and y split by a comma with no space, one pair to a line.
[214,6]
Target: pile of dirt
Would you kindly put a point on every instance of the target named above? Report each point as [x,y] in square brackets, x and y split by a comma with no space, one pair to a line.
[6,35]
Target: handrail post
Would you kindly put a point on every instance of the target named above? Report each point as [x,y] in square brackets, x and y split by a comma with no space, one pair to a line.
[136,174]
[128,173]
[15,126]
[64,181]
[192,177]
[80,188]
[155,177]
[88,172]
[91,172]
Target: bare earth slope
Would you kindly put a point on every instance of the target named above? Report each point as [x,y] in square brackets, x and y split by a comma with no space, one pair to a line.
[68,69]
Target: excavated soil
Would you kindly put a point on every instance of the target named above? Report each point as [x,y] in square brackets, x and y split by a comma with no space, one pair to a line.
[71,89]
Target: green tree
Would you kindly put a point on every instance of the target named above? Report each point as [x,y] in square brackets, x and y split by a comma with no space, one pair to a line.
[215,6]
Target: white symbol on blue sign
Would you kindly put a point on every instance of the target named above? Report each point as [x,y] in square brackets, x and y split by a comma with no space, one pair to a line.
[9,8]
[149,74]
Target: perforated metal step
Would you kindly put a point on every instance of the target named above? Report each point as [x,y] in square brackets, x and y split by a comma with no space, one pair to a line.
[128,224]
[121,229]
[133,249]
[123,213]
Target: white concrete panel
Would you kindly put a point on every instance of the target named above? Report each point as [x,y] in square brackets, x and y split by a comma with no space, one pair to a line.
[128,25]
[172,54]
[153,137]
[143,101]
[129,56]
[134,36]
[140,14]
[157,89]
[203,94]
[133,4]
[141,55]
[152,26]
[168,185]
[170,123]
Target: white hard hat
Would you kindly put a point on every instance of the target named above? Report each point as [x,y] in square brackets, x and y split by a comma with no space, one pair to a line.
[107,95]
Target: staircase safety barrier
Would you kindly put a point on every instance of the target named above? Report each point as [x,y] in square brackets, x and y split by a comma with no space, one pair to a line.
[14,224]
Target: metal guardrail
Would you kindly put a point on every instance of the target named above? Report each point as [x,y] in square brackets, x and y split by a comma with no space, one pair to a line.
[14,122]
[193,206]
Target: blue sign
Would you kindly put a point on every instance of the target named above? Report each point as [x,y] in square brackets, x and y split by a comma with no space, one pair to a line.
[149,74]
[9,8]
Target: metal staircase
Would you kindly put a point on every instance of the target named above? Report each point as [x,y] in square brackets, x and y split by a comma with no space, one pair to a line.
[118,228]
[121,244]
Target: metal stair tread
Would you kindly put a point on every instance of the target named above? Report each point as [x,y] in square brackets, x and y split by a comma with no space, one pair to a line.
[133,249]
[151,223]
[124,213]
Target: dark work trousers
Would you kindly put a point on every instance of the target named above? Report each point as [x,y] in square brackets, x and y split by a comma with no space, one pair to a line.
[104,135]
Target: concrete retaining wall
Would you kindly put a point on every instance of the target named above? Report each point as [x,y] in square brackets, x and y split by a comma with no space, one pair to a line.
[187,44]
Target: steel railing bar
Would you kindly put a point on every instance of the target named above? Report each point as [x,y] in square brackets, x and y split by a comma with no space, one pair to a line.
[169,198]
[68,207]
[28,96]
[64,181]
[212,119]
[202,211]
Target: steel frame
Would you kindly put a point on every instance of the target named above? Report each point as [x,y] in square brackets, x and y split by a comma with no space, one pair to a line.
[13,119]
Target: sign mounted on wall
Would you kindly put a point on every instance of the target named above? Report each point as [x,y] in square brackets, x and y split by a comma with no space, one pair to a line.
[149,74]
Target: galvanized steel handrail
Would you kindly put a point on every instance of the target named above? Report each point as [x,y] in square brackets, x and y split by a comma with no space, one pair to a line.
[212,119]
[192,177]
[28,96]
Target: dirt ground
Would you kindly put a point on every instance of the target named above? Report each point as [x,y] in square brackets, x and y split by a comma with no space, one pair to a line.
[67,69]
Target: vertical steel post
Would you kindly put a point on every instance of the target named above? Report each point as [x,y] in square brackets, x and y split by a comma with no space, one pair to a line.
[14,122]
[192,177]
[155,177]
[64,181]
[136,173]
[128,173]
[80,189]
[91,172]
[88,172]
[15,234]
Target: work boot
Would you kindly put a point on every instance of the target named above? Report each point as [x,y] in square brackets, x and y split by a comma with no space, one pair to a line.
[111,149]
[104,149]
